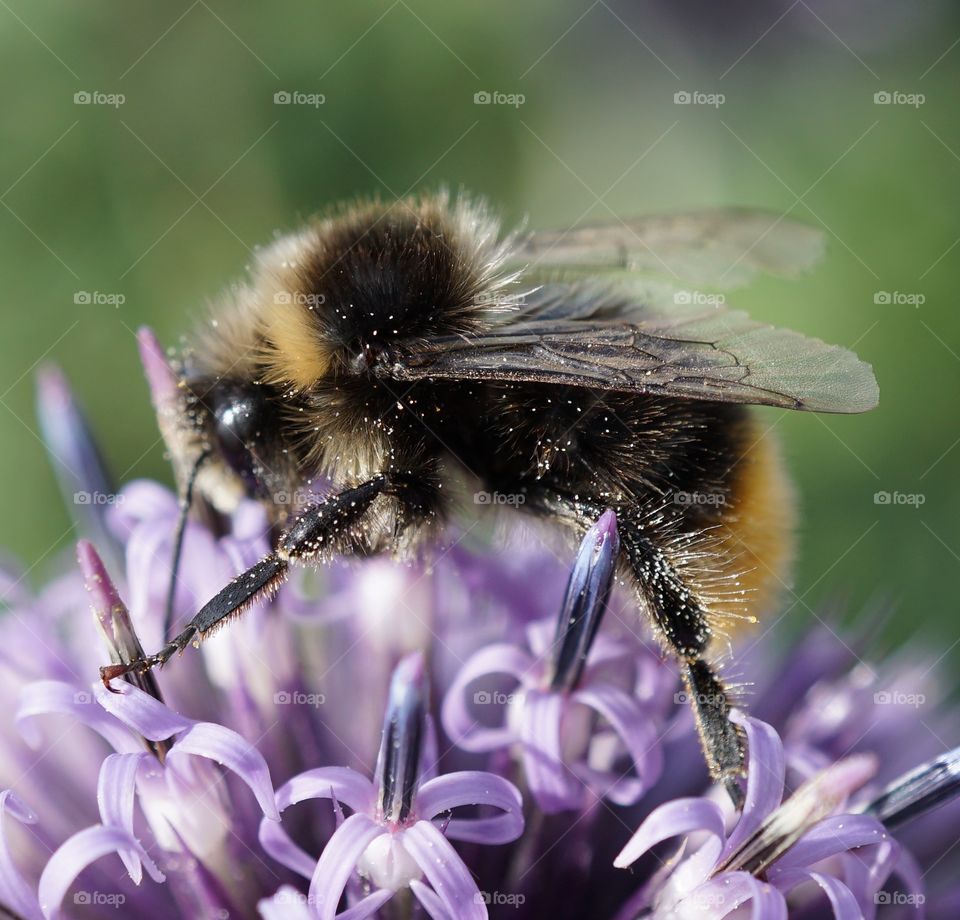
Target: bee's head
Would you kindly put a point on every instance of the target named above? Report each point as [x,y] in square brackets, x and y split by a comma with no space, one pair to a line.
[222,431]
[236,424]
[279,378]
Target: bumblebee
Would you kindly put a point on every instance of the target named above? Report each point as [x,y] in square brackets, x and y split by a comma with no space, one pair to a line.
[393,351]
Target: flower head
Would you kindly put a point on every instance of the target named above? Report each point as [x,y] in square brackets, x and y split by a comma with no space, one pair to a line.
[392,838]
[775,844]
[157,796]
[170,764]
[582,715]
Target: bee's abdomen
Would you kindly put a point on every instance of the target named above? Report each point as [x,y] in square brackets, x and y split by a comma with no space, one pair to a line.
[704,481]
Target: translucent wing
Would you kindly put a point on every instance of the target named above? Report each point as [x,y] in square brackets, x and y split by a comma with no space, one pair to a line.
[723,248]
[583,336]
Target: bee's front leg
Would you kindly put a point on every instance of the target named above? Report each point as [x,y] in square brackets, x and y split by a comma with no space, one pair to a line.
[315,536]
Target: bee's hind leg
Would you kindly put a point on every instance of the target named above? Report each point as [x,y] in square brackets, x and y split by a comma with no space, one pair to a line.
[679,620]
[721,740]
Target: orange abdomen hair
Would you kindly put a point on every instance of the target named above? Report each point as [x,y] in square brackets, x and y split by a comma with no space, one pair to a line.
[756,536]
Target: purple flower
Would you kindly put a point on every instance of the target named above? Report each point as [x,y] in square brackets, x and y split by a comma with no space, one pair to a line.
[63,866]
[391,837]
[568,683]
[774,846]
[162,759]
[167,807]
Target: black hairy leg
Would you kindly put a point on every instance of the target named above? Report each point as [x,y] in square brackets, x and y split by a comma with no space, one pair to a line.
[318,534]
[722,741]
[680,621]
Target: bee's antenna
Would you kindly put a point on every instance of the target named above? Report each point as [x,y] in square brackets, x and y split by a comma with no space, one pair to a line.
[185,502]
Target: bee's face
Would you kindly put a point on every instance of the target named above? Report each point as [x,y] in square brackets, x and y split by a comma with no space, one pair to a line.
[239,423]
[241,431]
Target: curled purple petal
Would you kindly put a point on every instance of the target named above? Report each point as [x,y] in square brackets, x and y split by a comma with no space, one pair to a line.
[673,819]
[459,724]
[277,843]
[444,869]
[728,892]
[142,712]
[345,785]
[766,770]
[872,865]
[52,697]
[842,901]
[628,718]
[235,753]
[429,900]
[116,793]
[338,861]
[290,904]
[784,826]
[78,852]
[14,891]
[474,787]
[871,877]
[832,835]
[368,906]
[342,784]
[551,781]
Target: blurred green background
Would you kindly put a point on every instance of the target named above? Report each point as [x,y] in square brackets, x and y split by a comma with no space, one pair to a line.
[162,197]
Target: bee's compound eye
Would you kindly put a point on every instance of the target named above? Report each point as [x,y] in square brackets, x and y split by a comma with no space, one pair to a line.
[242,429]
